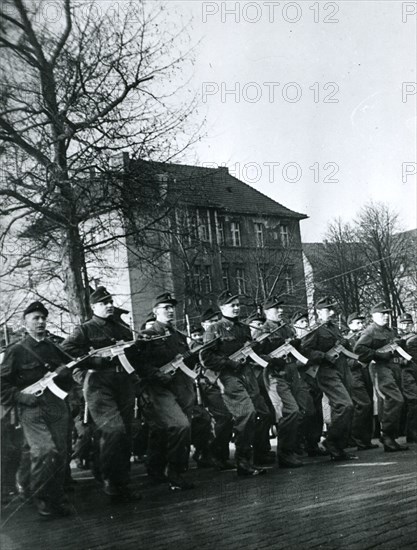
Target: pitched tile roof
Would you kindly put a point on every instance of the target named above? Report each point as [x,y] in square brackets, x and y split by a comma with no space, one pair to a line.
[214,187]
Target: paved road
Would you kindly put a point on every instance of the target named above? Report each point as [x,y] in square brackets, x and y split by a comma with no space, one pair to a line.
[370,503]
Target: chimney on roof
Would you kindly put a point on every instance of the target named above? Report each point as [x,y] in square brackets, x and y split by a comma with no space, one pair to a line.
[162,180]
[120,161]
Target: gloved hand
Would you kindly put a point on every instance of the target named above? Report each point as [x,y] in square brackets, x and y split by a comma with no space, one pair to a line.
[233,365]
[64,374]
[345,343]
[100,362]
[161,378]
[277,364]
[27,399]
[295,343]
[383,355]
[331,358]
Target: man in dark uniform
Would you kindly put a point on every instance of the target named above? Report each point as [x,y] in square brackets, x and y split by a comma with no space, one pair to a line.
[167,400]
[285,378]
[330,377]
[240,388]
[255,322]
[361,391]
[409,374]
[109,392]
[307,393]
[201,435]
[213,400]
[196,336]
[44,419]
[387,373]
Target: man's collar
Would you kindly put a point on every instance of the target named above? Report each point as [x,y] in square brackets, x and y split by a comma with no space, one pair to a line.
[36,340]
[230,321]
[161,328]
[99,320]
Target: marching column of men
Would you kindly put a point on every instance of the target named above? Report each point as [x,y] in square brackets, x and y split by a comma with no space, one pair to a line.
[250,377]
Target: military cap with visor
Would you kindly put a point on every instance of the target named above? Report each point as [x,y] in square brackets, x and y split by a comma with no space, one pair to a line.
[272,301]
[355,315]
[101,294]
[381,307]
[327,302]
[299,315]
[165,298]
[226,297]
[406,318]
[36,306]
[255,317]
[210,313]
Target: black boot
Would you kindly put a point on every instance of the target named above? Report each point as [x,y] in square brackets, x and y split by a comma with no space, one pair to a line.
[391,446]
[245,468]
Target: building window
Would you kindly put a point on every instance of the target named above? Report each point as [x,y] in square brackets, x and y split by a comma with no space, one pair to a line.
[189,226]
[240,280]
[207,286]
[263,271]
[225,278]
[284,235]
[197,278]
[235,231]
[259,234]
[221,240]
[203,220]
[289,282]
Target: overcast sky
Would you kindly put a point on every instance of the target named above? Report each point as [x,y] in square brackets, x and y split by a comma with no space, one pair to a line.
[325,89]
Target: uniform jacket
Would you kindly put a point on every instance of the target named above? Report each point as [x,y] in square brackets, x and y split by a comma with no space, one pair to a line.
[371,339]
[233,336]
[157,353]
[97,333]
[352,338]
[25,363]
[278,338]
[322,339]
[410,345]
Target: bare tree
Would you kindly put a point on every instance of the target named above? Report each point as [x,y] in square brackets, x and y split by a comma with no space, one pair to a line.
[385,251]
[75,93]
[344,272]
[271,272]
[367,261]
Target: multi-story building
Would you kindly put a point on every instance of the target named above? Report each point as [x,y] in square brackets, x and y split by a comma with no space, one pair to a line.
[219,233]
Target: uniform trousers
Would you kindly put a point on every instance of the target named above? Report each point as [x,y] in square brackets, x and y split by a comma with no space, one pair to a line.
[362,397]
[223,427]
[45,428]
[249,410]
[11,445]
[388,377]
[285,384]
[409,387]
[310,428]
[168,411]
[330,382]
[110,398]
[201,430]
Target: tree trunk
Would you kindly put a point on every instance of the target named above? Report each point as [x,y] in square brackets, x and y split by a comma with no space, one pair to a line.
[73,266]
